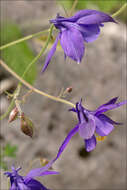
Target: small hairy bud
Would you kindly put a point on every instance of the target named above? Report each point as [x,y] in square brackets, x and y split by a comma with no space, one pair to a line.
[69,89]
[26,125]
[13,114]
[44,162]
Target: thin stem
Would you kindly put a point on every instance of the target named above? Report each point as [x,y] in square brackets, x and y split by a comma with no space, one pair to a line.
[41,52]
[9,109]
[120,10]
[23,39]
[16,93]
[35,89]
[73,7]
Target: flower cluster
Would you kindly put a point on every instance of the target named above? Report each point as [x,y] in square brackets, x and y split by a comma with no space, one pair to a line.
[84,26]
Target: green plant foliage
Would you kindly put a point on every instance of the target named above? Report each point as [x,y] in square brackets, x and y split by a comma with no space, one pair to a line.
[18,56]
[9,150]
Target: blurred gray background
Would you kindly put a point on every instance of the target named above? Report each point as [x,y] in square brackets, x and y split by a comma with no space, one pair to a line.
[100,77]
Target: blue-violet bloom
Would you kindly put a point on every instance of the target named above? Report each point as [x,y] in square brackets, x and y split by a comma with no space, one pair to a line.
[83,26]
[18,182]
[91,122]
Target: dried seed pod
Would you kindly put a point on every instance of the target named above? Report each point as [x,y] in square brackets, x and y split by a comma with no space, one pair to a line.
[13,114]
[26,125]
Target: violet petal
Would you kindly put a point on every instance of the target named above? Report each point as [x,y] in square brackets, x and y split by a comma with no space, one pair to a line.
[106,118]
[73,44]
[49,173]
[91,32]
[103,128]
[51,53]
[109,107]
[96,17]
[66,141]
[90,144]
[87,129]
[39,171]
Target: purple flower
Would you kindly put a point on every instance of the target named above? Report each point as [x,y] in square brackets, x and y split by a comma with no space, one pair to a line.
[83,26]
[91,122]
[28,182]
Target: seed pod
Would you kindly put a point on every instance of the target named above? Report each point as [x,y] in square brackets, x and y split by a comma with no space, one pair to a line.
[26,125]
[13,115]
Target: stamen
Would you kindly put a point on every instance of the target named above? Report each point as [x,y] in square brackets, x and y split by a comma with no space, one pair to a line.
[99,138]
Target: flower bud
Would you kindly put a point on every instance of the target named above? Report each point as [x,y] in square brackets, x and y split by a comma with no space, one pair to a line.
[69,89]
[26,125]
[13,114]
[44,162]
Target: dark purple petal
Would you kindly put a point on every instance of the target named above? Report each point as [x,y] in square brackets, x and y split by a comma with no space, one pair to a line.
[112,101]
[109,107]
[90,144]
[23,186]
[33,184]
[72,109]
[91,32]
[87,129]
[73,44]
[103,128]
[95,17]
[51,53]
[106,118]
[78,112]
[66,141]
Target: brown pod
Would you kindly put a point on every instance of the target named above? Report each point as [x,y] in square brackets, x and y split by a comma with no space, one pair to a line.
[13,114]
[26,125]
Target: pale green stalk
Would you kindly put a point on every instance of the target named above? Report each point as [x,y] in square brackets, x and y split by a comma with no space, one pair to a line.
[27,69]
[57,99]
[23,39]
[120,10]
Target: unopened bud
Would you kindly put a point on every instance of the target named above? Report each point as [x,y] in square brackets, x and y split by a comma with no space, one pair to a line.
[26,125]
[69,89]
[44,162]
[13,114]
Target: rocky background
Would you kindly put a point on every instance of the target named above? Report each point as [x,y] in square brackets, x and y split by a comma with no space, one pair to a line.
[100,77]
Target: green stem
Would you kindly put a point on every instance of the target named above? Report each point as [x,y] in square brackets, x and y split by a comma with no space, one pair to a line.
[120,10]
[9,109]
[27,69]
[35,89]
[27,84]
[23,39]
[41,52]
